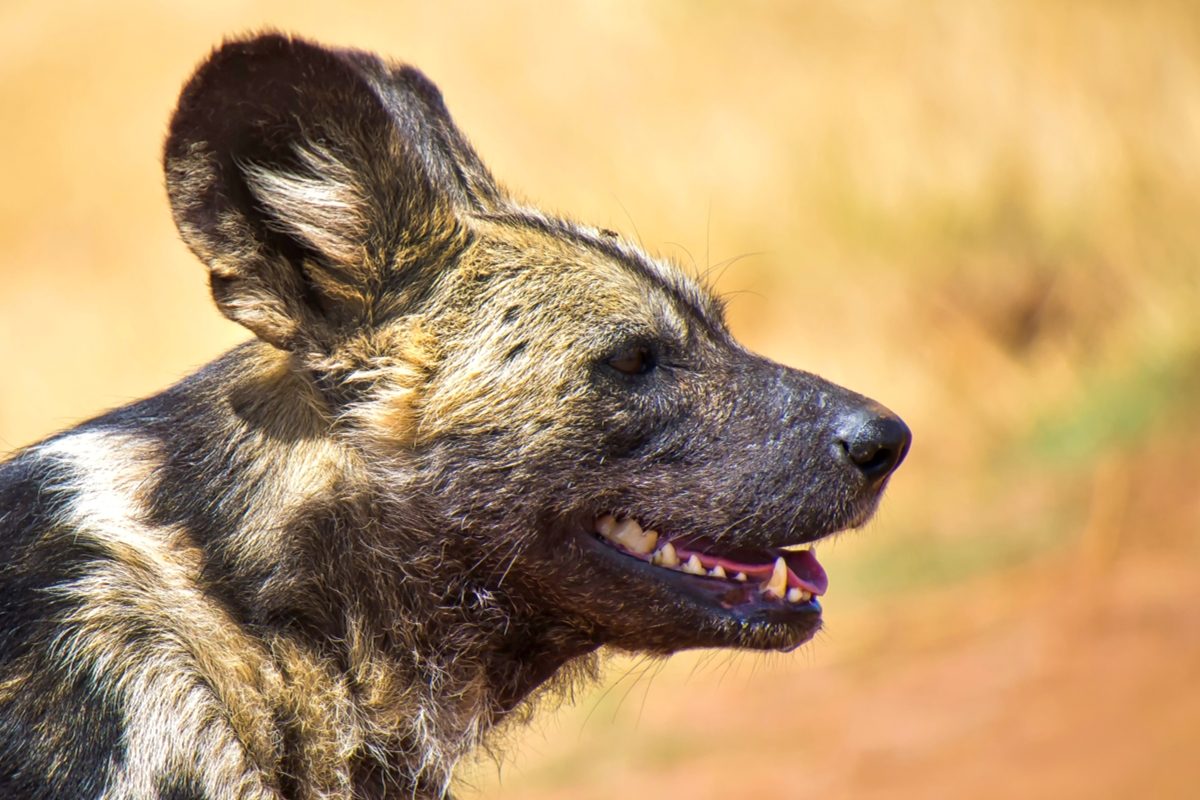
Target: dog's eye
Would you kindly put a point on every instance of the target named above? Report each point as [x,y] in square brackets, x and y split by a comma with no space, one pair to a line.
[636,360]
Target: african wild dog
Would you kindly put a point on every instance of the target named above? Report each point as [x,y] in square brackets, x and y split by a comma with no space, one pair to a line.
[471,444]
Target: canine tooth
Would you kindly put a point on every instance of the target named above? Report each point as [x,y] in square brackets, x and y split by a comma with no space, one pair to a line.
[717,572]
[741,577]
[777,585]
[667,557]
[606,525]
[694,566]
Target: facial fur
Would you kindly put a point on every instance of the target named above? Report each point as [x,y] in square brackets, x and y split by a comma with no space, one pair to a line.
[330,562]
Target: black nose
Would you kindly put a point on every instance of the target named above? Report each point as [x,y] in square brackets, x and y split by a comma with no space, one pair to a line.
[874,440]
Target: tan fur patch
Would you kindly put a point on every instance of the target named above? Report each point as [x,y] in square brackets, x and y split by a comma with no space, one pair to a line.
[391,368]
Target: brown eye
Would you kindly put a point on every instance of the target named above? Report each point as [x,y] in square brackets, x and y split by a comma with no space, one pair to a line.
[634,361]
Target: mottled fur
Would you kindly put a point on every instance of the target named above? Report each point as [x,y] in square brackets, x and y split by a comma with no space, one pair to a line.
[327,564]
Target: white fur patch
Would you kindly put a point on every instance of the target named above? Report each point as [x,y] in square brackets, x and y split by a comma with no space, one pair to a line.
[323,207]
[138,624]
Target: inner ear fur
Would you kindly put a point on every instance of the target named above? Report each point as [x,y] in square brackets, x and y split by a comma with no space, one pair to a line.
[318,185]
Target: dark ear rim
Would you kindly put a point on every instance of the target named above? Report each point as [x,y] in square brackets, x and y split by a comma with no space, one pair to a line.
[241,107]
[257,107]
[474,188]
[465,179]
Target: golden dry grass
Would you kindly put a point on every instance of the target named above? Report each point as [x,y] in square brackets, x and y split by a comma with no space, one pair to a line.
[983,214]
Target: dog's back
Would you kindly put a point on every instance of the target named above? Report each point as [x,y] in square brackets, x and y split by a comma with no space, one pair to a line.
[127,668]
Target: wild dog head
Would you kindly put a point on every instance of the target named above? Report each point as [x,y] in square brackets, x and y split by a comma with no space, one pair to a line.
[543,411]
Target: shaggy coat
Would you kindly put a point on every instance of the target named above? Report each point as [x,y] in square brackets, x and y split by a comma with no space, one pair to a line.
[326,564]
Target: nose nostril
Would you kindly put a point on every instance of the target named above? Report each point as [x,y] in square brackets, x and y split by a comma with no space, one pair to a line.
[870,457]
[877,446]
[879,462]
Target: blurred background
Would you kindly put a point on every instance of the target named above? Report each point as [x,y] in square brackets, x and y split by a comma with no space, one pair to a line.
[984,214]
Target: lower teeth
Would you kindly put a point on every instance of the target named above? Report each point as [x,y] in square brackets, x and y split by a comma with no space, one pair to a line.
[796,595]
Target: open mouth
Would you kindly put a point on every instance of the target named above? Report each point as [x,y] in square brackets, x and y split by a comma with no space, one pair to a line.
[739,576]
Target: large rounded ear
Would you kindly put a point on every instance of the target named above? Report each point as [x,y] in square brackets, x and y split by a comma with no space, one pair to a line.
[321,187]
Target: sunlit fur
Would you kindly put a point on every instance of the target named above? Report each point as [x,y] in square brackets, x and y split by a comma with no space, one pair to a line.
[328,564]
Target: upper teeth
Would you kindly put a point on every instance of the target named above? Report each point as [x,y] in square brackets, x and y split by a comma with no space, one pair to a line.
[630,535]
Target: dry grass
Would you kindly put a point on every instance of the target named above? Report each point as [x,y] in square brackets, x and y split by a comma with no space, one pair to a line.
[984,214]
